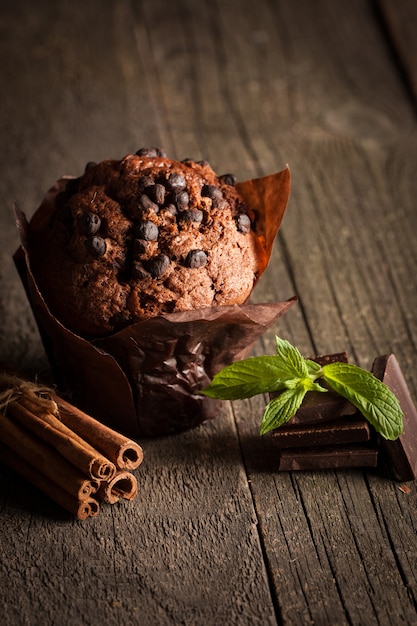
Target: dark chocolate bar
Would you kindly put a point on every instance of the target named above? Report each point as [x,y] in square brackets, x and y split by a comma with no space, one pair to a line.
[345,430]
[399,455]
[325,359]
[328,457]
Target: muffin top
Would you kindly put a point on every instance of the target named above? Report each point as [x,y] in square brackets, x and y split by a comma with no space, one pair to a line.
[142,236]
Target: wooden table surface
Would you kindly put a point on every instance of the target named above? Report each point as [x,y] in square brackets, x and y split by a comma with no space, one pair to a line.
[216,534]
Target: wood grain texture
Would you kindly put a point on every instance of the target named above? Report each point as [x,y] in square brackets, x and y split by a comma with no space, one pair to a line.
[216,535]
[185,551]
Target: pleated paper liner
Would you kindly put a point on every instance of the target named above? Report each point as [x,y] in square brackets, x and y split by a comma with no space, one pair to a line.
[143,380]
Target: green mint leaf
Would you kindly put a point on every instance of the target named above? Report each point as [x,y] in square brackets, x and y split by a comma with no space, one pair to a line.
[372,397]
[248,378]
[281,409]
[313,367]
[291,359]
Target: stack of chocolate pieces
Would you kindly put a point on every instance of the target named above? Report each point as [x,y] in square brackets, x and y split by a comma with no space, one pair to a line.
[328,432]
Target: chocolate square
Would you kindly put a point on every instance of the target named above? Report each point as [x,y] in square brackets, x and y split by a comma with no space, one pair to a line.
[352,429]
[328,457]
[400,455]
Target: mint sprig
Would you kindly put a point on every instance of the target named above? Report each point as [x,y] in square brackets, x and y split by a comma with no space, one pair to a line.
[290,375]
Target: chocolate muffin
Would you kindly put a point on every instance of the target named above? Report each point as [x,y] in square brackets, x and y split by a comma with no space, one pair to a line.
[142,236]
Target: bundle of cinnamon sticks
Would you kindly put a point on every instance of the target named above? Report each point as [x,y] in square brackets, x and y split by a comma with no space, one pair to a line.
[71,457]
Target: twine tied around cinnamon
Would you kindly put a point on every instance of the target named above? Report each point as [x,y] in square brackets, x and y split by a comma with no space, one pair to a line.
[13,389]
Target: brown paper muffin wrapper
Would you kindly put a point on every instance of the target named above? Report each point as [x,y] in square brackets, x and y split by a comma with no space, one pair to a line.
[144,380]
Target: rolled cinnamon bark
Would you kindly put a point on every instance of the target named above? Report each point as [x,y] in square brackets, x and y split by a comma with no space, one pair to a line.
[123,485]
[122,451]
[81,509]
[77,451]
[46,460]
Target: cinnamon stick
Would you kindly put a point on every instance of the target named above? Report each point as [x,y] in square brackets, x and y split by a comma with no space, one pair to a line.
[46,460]
[81,509]
[53,432]
[64,452]
[122,451]
[123,485]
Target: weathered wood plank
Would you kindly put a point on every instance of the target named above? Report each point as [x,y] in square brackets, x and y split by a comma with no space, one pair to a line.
[185,551]
[250,87]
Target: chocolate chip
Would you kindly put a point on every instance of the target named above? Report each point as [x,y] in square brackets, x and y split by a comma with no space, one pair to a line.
[89,223]
[146,203]
[156,193]
[171,208]
[220,203]
[228,179]
[158,265]
[203,163]
[96,246]
[216,196]
[176,182]
[196,259]
[138,271]
[187,161]
[192,215]
[147,230]
[148,152]
[89,165]
[151,152]
[211,191]
[243,223]
[144,181]
[181,200]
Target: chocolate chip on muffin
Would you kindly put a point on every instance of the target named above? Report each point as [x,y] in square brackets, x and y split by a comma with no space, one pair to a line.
[196,259]
[176,182]
[228,179]
[157,193]
[181,200]
[243,223]
[192,215]
[151,152]
[147,230]
[146,203]
[89,223]
[96,246]
[158,265]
